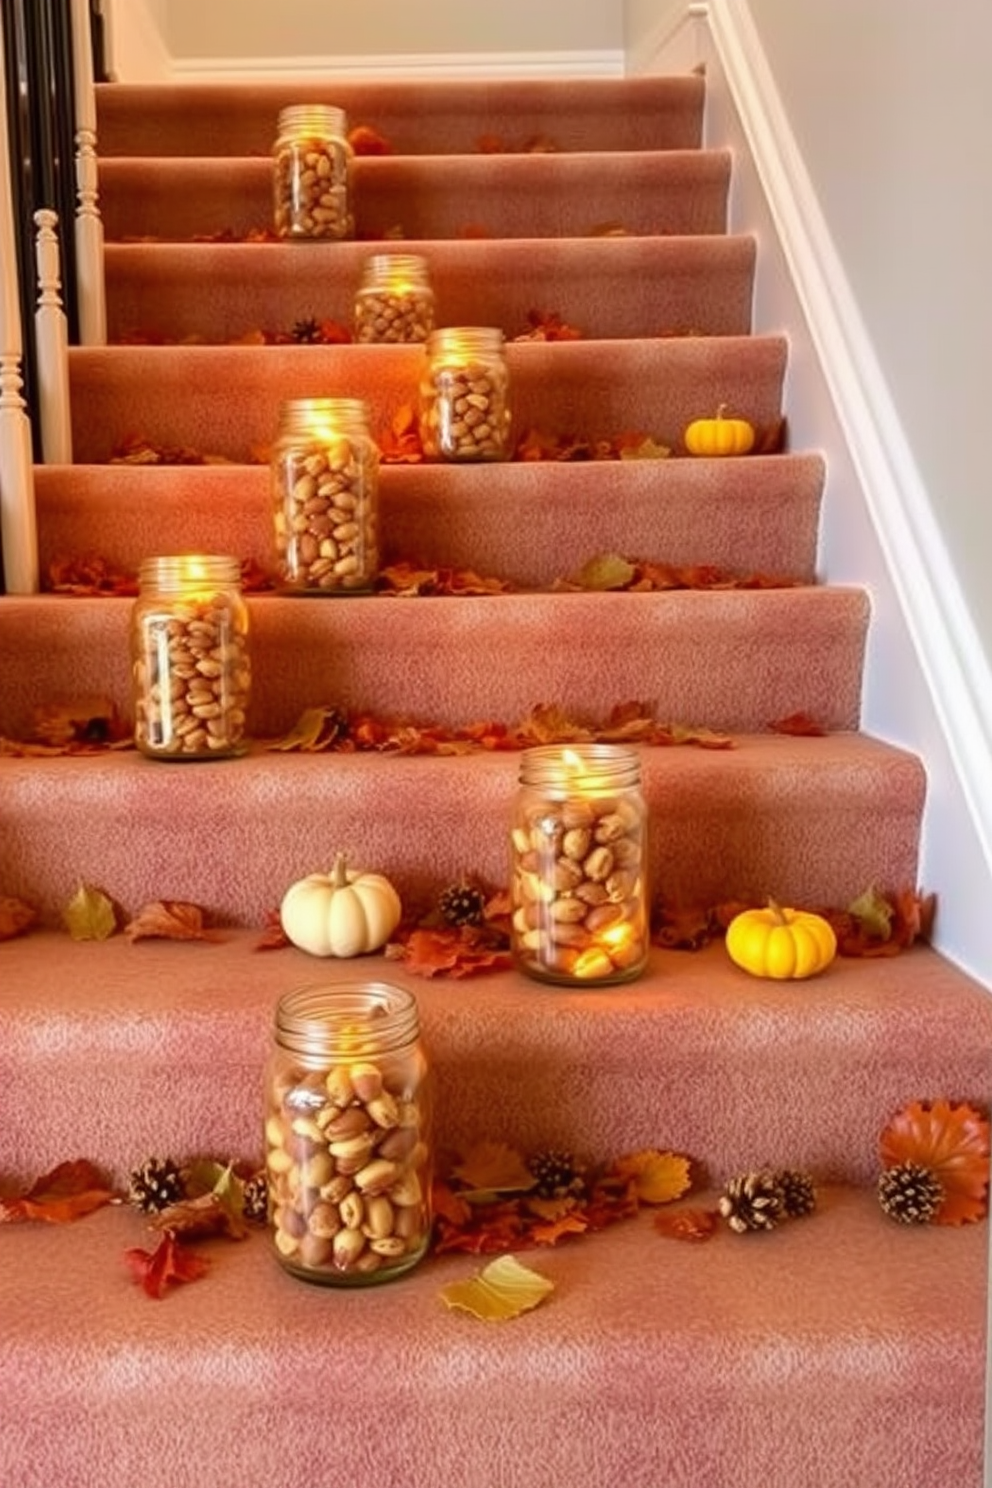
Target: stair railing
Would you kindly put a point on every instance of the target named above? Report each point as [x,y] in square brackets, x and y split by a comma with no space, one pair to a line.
[90,291]
[18,530]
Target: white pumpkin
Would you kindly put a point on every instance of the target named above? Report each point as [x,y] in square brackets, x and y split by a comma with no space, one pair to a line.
[340,913]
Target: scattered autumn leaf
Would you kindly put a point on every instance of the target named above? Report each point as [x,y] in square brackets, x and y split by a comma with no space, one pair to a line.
[16,917]
[214,1213]
[659,1177]
[551,1231]
[875,913]
[167,1264]
[169,919]
[456,952]
[494,1167]
[798,724]
[504,1289]
[547,325]
[687,1224]
[68,1192]
[647,449]
[400,444]
[364,140]
[273,936]
[90,914]
[609,571]
[952,1141]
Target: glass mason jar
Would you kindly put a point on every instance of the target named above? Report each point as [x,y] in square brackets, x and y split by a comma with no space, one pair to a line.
[394,301]
[464,395]
[579,865]
[312,174]
[348,1134]
[190,668]
[325,492]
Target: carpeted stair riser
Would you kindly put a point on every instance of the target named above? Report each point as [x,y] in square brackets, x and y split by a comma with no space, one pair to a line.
[574,114]
[604,287]
[586,390]
[528,523]
[508,196]
[809,821]
[432,657]
[734,1071]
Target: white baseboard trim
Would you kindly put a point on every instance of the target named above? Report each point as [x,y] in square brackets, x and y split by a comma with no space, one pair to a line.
[400,65]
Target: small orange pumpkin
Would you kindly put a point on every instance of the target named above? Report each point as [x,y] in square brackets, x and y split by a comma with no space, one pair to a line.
[719,435]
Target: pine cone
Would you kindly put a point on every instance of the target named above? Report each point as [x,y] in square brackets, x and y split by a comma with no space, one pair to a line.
[255,1197]
[753,1201]
[306,331]
[910,1193]
[462,904]
[798,1192]
[155,1185]
[558,1176]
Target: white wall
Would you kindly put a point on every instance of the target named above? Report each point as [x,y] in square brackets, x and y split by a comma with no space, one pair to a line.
[290,28]
[891,107]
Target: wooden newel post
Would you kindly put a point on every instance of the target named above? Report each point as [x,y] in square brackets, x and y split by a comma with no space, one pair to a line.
[52,345]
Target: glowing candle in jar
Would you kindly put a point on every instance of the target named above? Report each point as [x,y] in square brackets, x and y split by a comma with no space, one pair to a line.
[579,865]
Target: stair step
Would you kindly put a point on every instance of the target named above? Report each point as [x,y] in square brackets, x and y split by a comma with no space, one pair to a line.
[529,523]
[221,292]
[498,196]
[826,1327]
[810,821]
[590,390]
[435,658]
[416,117]
[159,1047]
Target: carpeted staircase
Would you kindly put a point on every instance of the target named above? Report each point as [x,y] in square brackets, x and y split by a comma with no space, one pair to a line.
[839,1351]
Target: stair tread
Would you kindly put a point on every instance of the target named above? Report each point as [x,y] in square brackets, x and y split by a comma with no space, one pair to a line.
[591,390]
[503,196]
[814,820]
[530,523]
[416,117]
[160,1044]
[221,291]
[803,1314]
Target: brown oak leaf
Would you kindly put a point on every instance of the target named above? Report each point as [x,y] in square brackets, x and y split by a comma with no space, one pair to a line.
[207,1214]
[169,919]
[460,952]
[68,1192]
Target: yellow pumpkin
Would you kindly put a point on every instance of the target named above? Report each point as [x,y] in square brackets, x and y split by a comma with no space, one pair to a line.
[785,944]
[720,435]
[340,913]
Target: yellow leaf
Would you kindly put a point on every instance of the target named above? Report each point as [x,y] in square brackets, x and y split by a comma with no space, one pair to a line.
[874,912]
[305,734]
[89,915]
[608,571]
[659,1177]
[648,449]
[493,1166]
[503,1289]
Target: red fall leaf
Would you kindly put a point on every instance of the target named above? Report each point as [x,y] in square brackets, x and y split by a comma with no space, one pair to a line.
[169,919]
[168,1264]
[687,1224]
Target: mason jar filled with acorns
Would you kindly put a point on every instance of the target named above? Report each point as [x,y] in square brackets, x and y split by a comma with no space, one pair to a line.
[348,1133]
[579,865]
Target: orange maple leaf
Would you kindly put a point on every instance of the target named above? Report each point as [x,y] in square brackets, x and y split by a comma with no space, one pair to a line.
[551,1233]
[952,1141]
[658,1177]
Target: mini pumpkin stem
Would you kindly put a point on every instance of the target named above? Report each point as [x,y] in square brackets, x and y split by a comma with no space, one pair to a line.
[721,410]
[339,873]
[775,909]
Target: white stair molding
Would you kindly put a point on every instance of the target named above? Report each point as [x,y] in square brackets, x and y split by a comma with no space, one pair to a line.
[89,224]
[52,342]
[18,530]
